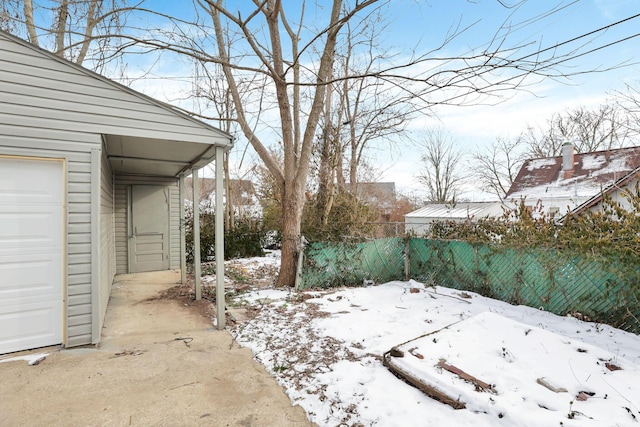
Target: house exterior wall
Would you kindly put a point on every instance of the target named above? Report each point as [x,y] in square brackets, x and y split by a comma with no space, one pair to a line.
[40,90]
[121,218]
[50,108]
[550,206]
[120,225]
[417,226]
[421,226]
[420,221]
[75,149]
[107,258]
[174,226]
[618,197]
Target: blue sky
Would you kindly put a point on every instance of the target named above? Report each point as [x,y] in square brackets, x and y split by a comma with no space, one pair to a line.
[421,26]
[475,127]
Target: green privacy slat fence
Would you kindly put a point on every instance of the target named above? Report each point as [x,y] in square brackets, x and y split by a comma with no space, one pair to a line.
[560,282]
[349,264]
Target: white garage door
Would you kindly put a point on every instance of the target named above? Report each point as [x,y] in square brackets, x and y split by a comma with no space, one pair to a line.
[31,248]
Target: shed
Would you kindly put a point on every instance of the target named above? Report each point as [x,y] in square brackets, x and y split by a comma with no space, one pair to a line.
[91,185]
[420,221]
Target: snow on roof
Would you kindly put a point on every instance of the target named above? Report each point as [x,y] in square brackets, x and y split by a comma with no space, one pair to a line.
[457,211]
[540,163]
[592,173]
[593,161]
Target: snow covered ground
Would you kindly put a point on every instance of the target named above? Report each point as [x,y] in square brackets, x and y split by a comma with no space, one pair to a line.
[326,348]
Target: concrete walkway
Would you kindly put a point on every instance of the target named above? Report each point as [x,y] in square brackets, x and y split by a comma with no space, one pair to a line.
[159,364]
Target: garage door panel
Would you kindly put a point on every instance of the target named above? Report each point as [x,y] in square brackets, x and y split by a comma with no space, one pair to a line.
[17,184]
[29,277]
[29,325]
[31,253]
[23,196]
[30,227]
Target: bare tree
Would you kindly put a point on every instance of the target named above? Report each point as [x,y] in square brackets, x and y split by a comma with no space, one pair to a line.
[297,60]
[439,160]
[212,94]
[497,168]
[358,112]
[366,110]
[293,52]
[603,128]
[629,102]
[76,30]
[291,178]
[329,163]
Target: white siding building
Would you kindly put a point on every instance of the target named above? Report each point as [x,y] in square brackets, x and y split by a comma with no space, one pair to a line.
[420,221]
[90,176]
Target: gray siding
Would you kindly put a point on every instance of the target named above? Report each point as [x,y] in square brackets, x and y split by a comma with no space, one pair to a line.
[54,109]
[75,149]
[107,238]
[120,227]
[40,90]
[174,227]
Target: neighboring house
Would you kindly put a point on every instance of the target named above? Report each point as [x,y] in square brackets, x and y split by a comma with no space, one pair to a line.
[244,198]
[381,195]
[420,221]
[89,187]
[575,182]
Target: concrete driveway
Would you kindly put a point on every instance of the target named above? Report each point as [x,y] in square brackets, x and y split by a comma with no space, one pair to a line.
[159,363]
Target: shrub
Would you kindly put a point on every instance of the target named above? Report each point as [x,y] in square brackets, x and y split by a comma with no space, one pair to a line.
[349,218]
[246,239]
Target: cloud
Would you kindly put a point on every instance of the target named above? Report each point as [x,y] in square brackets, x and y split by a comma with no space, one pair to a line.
[614,9]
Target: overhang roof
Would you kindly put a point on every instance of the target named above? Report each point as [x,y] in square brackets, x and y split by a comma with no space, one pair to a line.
[156,157]
[142,135]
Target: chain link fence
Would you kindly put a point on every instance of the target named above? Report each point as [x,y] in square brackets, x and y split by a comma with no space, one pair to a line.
[334,264]
[381,230]
[560,282]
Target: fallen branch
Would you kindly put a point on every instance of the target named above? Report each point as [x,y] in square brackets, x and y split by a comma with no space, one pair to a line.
[429,390]
[480,385]
[448,296]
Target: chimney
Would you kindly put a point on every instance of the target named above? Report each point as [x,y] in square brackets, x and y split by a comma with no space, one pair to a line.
[567,159]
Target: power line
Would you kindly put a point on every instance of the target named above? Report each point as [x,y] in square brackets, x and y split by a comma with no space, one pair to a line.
[590,33]
[534,70]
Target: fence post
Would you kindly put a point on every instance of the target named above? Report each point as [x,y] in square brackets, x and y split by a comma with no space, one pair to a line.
[407,259]
[298,283]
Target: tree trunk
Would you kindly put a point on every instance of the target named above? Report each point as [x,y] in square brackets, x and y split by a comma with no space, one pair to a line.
[61,26]
[30,23]
[324,177]
[291,220]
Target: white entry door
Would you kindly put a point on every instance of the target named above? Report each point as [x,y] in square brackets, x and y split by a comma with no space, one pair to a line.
[31,253]
[150,228]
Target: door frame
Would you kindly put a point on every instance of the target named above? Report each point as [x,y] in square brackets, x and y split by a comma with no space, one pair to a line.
[64,235]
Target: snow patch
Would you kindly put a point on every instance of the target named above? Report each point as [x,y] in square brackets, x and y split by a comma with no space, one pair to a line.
[326,348]
[540,163]
[31,359]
